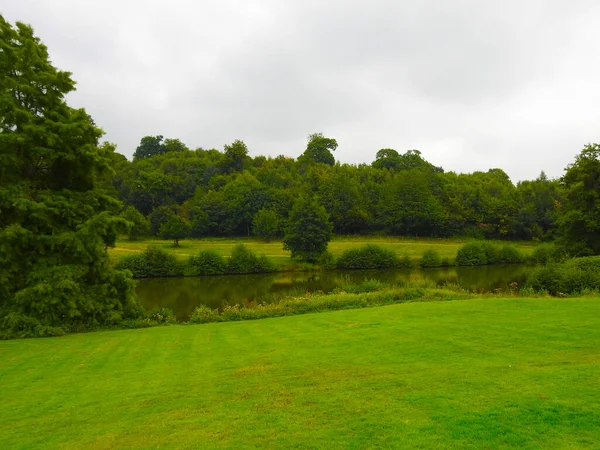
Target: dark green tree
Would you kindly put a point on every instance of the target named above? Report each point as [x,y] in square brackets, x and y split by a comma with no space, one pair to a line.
[158,217]
[318,149]
[409,207]
[139,227]
[174,229]
[149,146]
[308,231]
[55,219]
[235,157]
[387,158]
[265,224]
[579,215]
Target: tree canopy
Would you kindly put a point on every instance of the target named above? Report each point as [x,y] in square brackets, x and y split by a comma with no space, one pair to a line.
[308,231]
[579,221]
[55,220]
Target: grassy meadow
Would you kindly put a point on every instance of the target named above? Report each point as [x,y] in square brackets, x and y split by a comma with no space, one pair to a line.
[483,373]
[414,248]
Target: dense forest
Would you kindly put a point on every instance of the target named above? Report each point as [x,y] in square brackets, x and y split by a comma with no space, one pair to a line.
[229,193]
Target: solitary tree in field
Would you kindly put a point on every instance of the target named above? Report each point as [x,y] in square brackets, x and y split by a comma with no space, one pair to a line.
[175,228]
[309,230]
[55,220]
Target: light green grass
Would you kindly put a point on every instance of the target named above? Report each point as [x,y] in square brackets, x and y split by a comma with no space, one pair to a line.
[489,373]
[414,248]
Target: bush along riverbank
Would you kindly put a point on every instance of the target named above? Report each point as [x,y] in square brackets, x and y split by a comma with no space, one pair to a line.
[577,276]
[156,262]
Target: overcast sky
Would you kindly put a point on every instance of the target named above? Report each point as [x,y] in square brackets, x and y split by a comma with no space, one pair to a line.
[472,84]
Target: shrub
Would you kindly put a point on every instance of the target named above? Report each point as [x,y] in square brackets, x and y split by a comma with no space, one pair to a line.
[203,314]
[161,315]
[575,276]
[367,285]
[406,262]
[153,262]
[471,254]
[207,262]
[370,256]
[479,253]
[326,261]
[509,254]
[431,258]
[244,260]
[548,278]
[545,253]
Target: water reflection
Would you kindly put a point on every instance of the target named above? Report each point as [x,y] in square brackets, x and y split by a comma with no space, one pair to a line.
[182,295]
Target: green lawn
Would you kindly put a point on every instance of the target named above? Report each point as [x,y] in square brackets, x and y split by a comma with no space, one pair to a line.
[414,248]
[485,373]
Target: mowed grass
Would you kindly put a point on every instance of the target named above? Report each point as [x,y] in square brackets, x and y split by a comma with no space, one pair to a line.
[414,248]
[484,373]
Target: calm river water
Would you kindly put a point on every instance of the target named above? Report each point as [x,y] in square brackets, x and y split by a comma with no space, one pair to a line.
[182,295]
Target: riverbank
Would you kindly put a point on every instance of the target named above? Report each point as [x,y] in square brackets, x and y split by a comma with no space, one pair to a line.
[412,248]
[484,373]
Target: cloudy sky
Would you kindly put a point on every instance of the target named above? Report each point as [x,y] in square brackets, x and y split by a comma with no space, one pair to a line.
[472,84]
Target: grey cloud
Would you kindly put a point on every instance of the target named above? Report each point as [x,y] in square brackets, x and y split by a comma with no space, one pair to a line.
[472,84]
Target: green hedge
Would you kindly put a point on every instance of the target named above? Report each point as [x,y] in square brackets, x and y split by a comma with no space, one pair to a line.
[244,260]
[431,258]
[369,256]
[153,262]
[481,253]
[207,262]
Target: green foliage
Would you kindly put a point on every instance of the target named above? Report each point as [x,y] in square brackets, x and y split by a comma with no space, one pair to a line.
[149,146]
[265,224]
[545,253]
[56,218]
[244,260]
[431,258]
[471,254]
[235,157]
[153,262]
[158,218]
[308,231]
[140,227]
[174,229]
[326,261]
[480,253]
[369,293]
[318,150]
[207,262]
[579,215]
[367,285]
[370,256]
[409,207]
[509,254]
[575,276]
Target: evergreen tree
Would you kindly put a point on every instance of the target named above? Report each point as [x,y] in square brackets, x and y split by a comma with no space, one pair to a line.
[55,220]
[308,231]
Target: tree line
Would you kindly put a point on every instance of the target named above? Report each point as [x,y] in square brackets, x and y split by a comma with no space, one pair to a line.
[170,190]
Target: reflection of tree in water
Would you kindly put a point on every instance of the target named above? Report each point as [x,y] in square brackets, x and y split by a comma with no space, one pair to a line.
[182,295]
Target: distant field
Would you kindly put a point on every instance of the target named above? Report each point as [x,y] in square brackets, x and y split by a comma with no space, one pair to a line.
[414,248]
[490,373]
